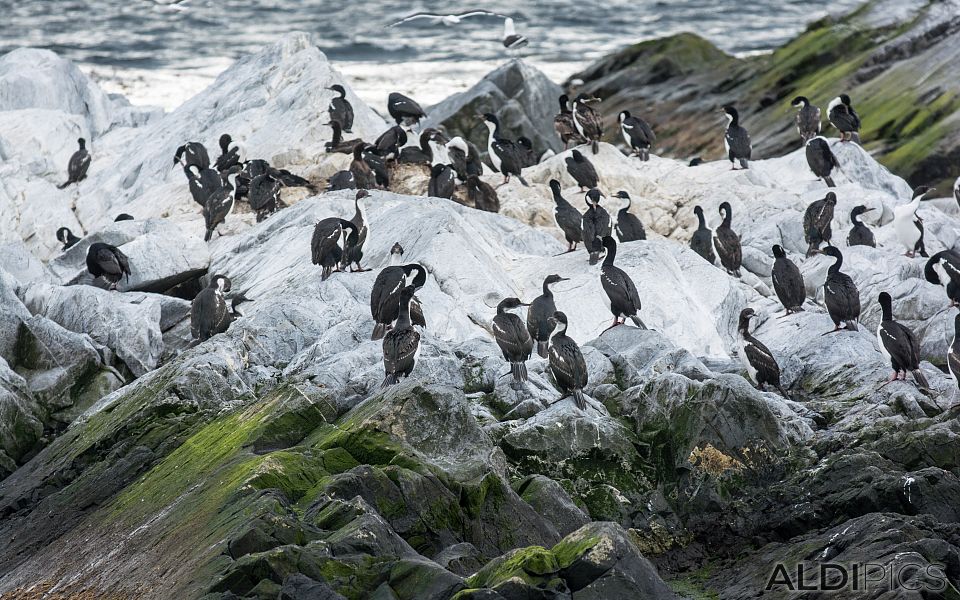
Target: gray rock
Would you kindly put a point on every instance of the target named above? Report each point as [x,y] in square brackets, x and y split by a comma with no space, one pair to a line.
[20,415]
[549,499]
[639,354]
[19,262]
[419,579]
[300,587]
[13,314]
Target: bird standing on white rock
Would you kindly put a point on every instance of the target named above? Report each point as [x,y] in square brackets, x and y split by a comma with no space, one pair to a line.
[908,225]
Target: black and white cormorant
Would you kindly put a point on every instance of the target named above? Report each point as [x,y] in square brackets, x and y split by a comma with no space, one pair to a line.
[362,173]
[124,217]
[595,225]
[78,165]
[209,314]
[807,119]
[840,294]
[842,116]
[565,127]
[503,153]
[587,120]
[404,110]
[512,337]
[229,156]
[66,237]
[337,143]
[727,242]
[569,219]
[401,344]
[539,314]
[353,253]
[325,245]
[482,195]
[900,345]
[202,183]
[909,226]
[511,39]
[787,281]
[264,195]
[756,357]
[379,165]
[528,157]
[821,159]
[943,268]
[628,228]
[107,262]
[582,171]
[385,294]
[464,158]
[816,223]
[953,353]
[192,154]
[389,143]
[736,139]
[566,361]
[701,241]
[443,181]
[251,169]
[860,234]
[638,134]
[422,154]
[219,205]
[619,288]
[340,109]
[341,180]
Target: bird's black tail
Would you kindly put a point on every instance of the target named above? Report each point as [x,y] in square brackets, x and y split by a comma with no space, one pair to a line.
[379,330]
[829,181]
[851,325]
[390,379]
[327,271]
[64,184]
[519,371]
[921,379]
[743,163]
[594,257]
[523,181]
[595,146]
[579,399]
[782,391]
[542,349]
[636,321]
[208,235]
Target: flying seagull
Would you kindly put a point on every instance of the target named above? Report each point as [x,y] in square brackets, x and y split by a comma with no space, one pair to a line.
[448,20]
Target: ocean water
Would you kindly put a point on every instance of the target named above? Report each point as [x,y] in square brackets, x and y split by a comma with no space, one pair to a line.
[156,55]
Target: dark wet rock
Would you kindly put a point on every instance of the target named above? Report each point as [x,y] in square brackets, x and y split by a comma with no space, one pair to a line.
[549,499]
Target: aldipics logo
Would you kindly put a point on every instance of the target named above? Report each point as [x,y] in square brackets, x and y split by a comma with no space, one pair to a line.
[899,574]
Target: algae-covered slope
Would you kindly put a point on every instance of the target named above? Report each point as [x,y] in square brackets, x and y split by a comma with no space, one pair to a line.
[897,60]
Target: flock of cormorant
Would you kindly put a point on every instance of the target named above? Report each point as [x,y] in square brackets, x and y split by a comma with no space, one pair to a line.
[337,244]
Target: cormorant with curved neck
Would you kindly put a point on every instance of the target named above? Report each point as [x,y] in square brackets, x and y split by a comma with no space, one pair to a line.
[842,116]
[401,344]
[539,314]
[513,338]
[229,157]
[565,127]
[727,242]
[340,109]
[860,234]
[66,237]
[816,223]
[566,361]
[701,241]
[569,219]
[385,294]
[756,357]
[209,314]
[595,224]
[192,154]
[107,262]
[325,245]
[840,294]
[389,143]
[503,153]
[422,154]
[943,268]
[788,281]
[900,345]
[619,288]
[78,165]
[628,228]
[736,139]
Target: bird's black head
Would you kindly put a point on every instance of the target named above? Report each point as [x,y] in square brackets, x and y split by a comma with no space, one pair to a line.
[559,320]
[577,156]
[416,275]
[407,293]
[437,170]
[609,243]
[725,208]
[361,194]
[221,283]
[225,140]
[593,197]
[63,233]
[622,195]
[800,101]
[830,198]
[929,272]
[339,89]
[745,316]
[886,302]
[832,251]
[552,279]
[778,251]
[860,209]
[696,161]
[510,303]
[82,143]
[731,112]
[491,118]
[922,191]
[555,186]
[624,115]
[748,313]
[123,217]
[845,99]
[397,249]
[586,99]
[525,143]
[697,211]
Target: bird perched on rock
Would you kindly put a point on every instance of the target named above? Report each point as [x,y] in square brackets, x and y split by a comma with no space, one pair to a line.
[943,268]
[421,154]
[595,225]
[528,157]
[353,252]
[565,127]
[756,357]
[66,237]
[637,134]
[727,242]
[821,159]
[511,39]
[339,145]
[340,109]
[503,153]
[325,245]
[513,338]
[192,154]
[899,345]
[78,165]
[619,288]
[701,241]
[908,225]
[628,228]
[816,222]
[539,314]
[842,116]
[860,234]
[807,119]
[389,143]
[464,158]
[229,155]
[363,175]
[953,353]
[208,311]
[566,361]
[482,194]
[385,293]
[202,183]
[736,139]
[442,181]
[404,110]
[341,180]
[569,219]
[787,281]
[219,205]
[264,195]
[401,344]
[582,171]
[587,120]
[379,166]
[840,294]
[107,262]
[123,217]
